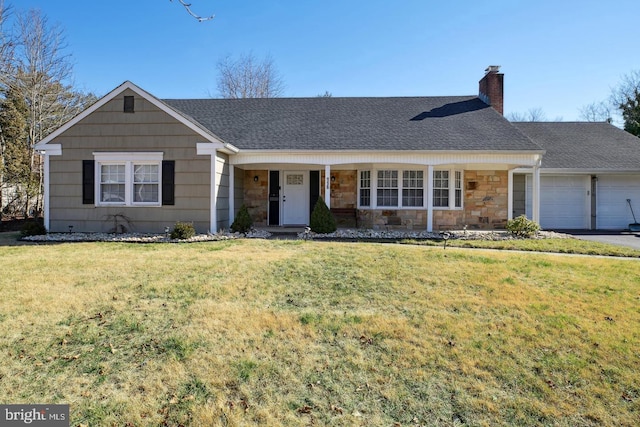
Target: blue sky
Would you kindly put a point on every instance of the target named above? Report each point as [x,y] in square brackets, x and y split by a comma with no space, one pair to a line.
[556,55]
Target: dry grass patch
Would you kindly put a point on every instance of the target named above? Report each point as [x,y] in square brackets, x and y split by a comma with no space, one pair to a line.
[295,333]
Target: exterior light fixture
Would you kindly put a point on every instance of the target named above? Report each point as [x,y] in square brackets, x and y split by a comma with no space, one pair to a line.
[256,178]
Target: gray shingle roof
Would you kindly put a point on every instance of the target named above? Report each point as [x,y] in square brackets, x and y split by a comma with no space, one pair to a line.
[584,145]
[400,123]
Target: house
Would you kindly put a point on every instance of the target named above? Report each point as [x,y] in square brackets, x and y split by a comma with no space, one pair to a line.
[422,163]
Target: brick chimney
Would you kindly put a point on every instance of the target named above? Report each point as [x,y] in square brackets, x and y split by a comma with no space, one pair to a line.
[492,88]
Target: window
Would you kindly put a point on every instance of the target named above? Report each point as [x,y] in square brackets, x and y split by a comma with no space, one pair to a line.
[365,188]
[112,183]
[387,188]
[412,188]
[440,188]
[407,188]
[146,183]
[458,189]
[128,179]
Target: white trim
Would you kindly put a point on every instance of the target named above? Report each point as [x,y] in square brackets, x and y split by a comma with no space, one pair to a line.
[535,188]
[207,148]
[510,195]
[128,159]
[127,85]
[213,218]
[430,198]
[50,150]
[327,188]
[137,156]
[232,195]
[467,159]
[47,191]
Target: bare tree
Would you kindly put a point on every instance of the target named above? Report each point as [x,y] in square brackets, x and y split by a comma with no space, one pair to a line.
[532,115]
[40,76]
[187,7]
[597,112]
[626,98]
[247,77]
[7,46]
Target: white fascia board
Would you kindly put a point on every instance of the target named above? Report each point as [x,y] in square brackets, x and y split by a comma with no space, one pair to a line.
[147,96]
[325,157]
[49,149]
[578,171]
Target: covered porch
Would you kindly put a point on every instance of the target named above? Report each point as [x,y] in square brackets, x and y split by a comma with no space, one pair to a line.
[393,191]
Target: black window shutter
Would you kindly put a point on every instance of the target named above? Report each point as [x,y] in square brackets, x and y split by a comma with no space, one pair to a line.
[168,181]
[88,177]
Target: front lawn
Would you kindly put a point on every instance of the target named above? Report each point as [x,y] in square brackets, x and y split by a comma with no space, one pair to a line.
[326,333]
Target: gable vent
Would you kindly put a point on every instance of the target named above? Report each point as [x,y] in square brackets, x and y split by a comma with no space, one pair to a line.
[128,104]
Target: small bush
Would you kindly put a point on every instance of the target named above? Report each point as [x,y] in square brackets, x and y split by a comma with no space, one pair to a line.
[522,226]
[322,221]
[183,231]
[33,228]
[243,221]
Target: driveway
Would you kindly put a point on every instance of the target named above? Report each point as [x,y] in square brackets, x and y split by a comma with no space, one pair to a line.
[620,238]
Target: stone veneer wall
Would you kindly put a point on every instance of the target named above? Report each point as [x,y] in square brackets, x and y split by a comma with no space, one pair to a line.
[392,219]
[344,190]
[256,195]
[486,198]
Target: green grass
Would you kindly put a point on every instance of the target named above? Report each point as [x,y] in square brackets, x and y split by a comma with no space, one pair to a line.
[554,245]
[255,332]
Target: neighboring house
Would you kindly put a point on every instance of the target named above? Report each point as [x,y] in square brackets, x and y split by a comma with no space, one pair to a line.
[422,163]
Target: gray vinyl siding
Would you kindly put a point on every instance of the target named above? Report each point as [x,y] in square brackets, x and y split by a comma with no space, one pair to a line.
[148,129]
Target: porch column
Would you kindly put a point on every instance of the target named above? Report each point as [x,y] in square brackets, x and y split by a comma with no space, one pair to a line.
[429,198]
[327,185]
[510,195]
[535,205]
[232,193]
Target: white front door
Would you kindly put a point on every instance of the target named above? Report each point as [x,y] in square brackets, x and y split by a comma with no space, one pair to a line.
[295,198]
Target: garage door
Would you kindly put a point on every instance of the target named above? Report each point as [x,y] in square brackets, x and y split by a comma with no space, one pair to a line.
[613,212]
[564,201]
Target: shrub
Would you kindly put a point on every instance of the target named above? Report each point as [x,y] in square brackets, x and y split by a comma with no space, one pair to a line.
[243,221]
[183,231]
[522,226]
[33,228]
[322,221]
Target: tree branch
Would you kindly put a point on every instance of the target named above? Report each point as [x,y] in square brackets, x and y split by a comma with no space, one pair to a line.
[187,7]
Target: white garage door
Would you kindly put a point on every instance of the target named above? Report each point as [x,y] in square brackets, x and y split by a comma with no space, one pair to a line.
[564,201]
[613,211]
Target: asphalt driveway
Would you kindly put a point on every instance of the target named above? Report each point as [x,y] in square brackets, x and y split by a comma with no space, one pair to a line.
[620,238]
